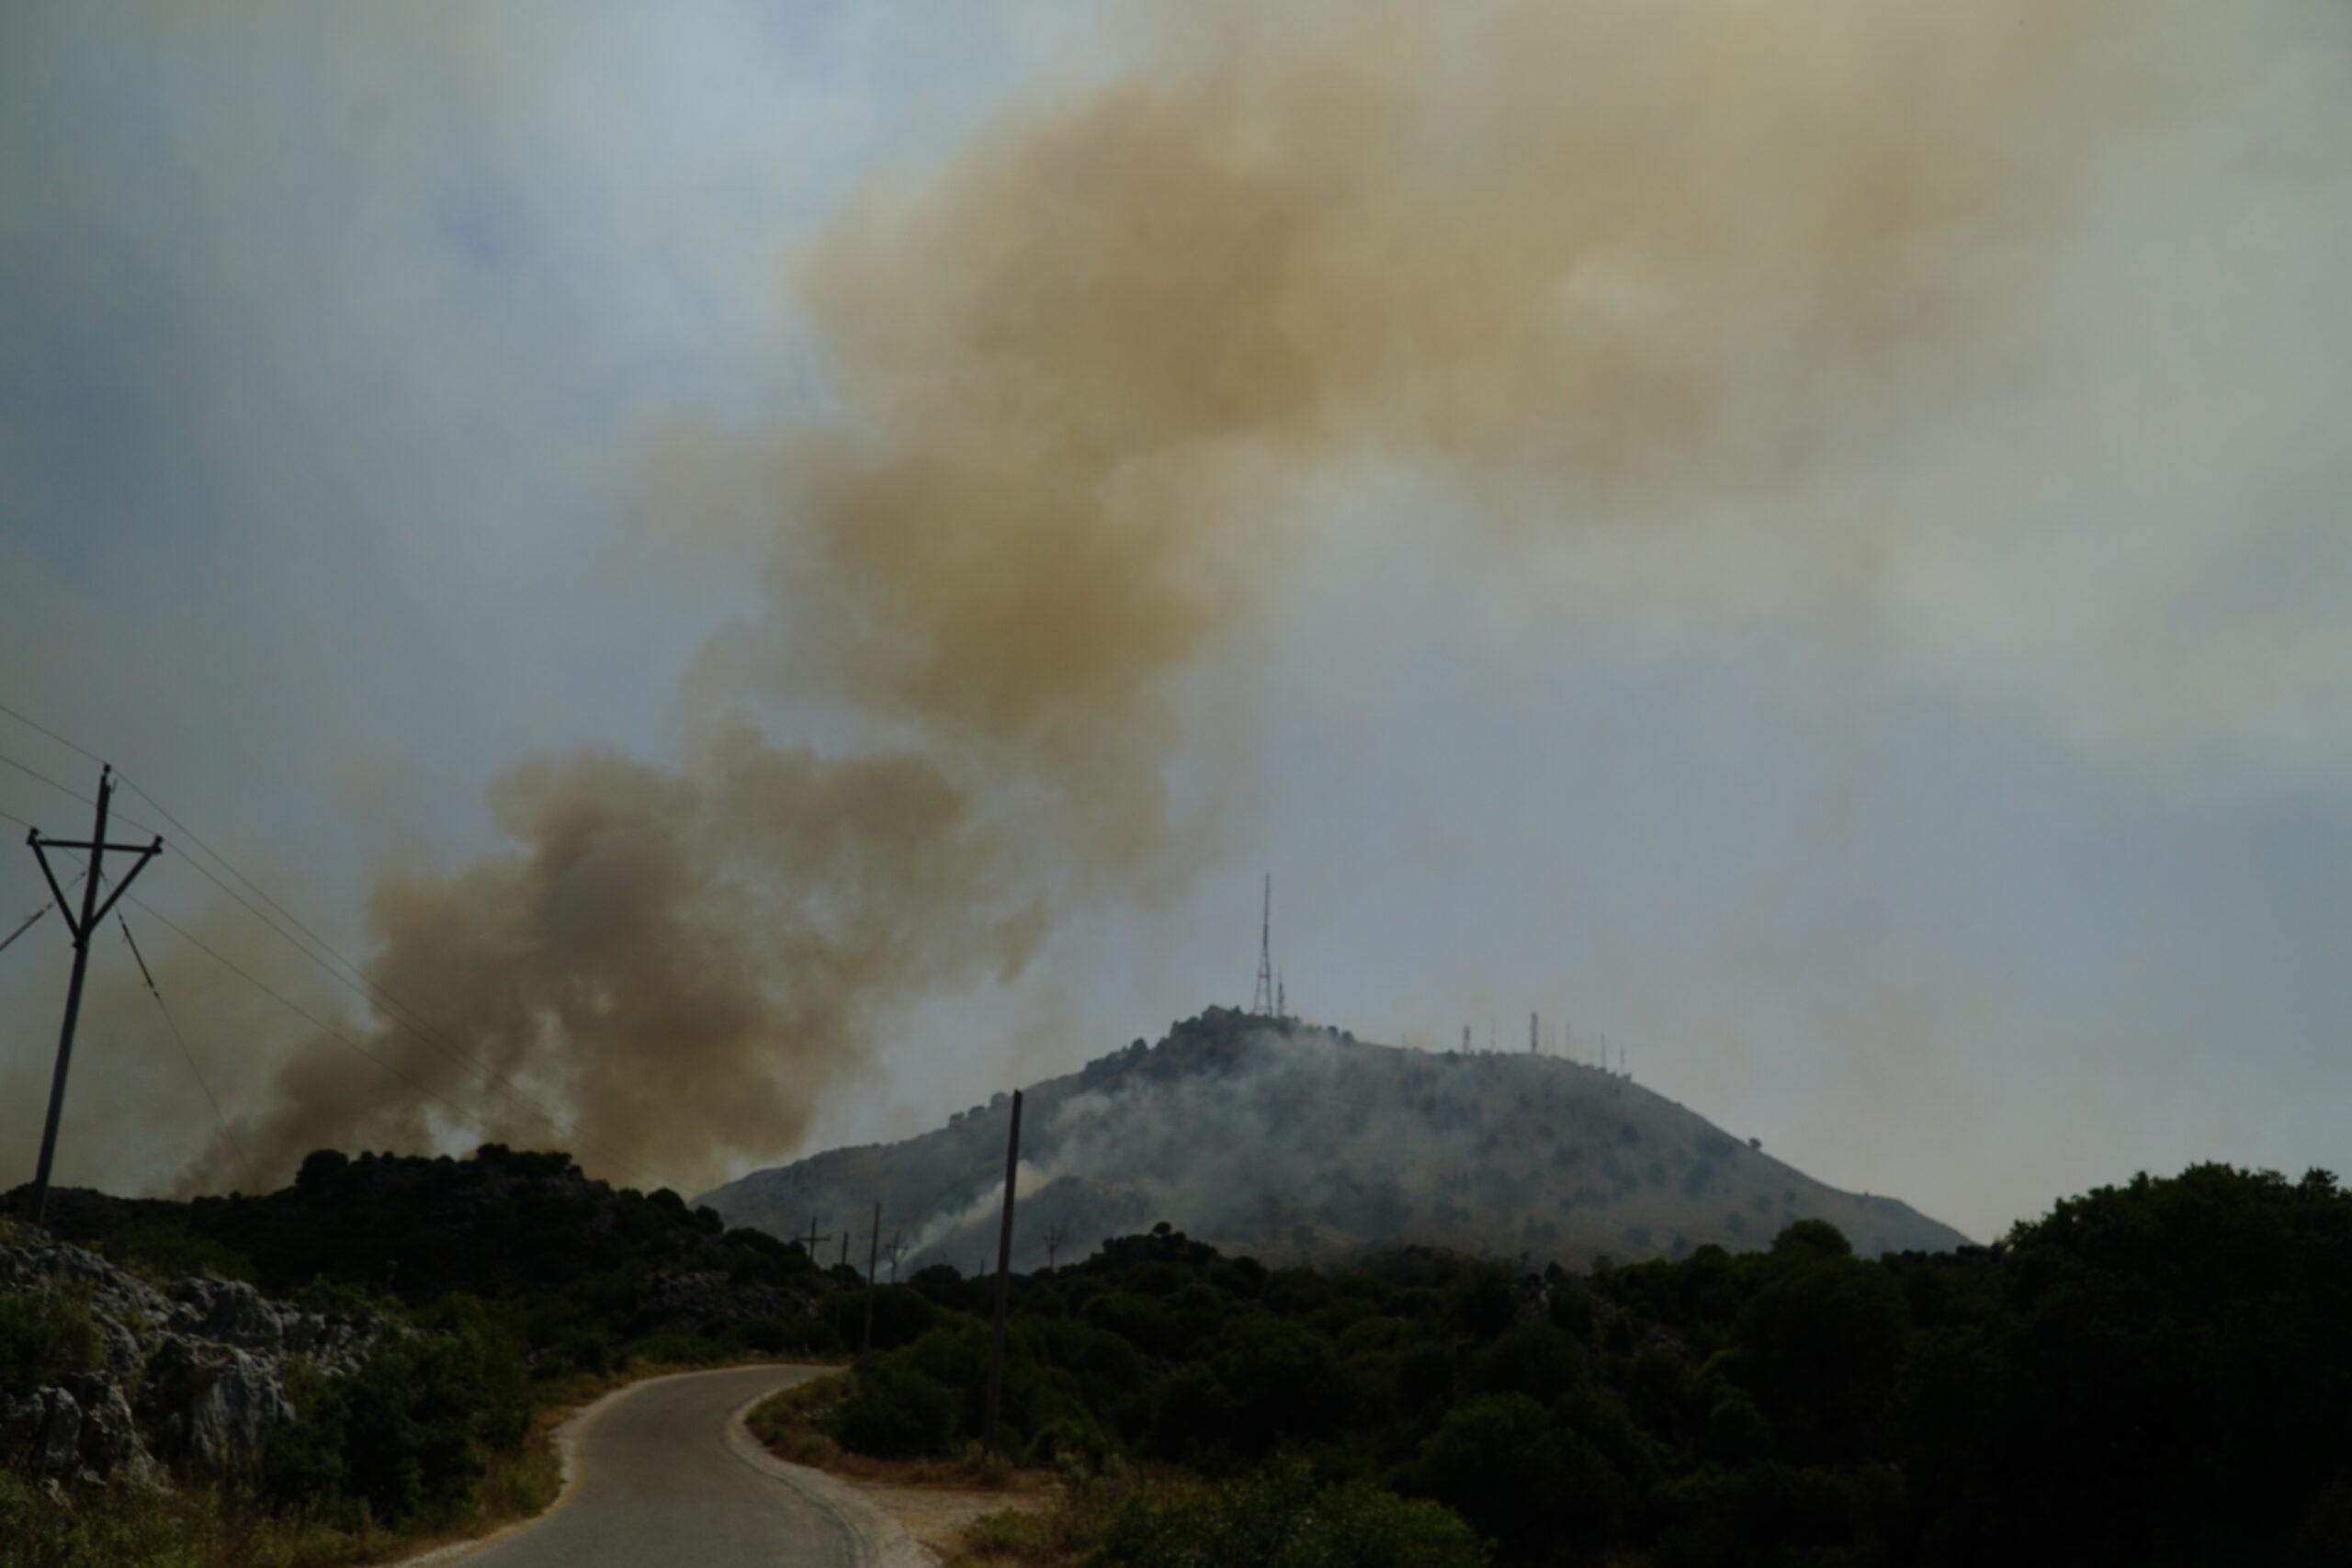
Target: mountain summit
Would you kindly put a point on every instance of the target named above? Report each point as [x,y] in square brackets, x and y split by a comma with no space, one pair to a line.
[1298,1144]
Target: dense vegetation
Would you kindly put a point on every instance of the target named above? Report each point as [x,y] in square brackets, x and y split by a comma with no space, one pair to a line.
[2154,1374]
[509,1283]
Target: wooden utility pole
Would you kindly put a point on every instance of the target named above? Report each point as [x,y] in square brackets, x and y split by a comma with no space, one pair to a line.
[92,913]
[872,1253]
[894,1250]
[1053,1237]
[1003,1277]
[810,1246]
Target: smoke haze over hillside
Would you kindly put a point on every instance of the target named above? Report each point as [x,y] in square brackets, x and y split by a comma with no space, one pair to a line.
[1300,1145]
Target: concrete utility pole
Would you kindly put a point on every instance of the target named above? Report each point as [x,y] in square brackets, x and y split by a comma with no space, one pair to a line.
[1004,1272]
[873,1254]
[92,913]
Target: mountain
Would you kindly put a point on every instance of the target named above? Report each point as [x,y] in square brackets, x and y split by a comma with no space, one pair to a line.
[1296,1143]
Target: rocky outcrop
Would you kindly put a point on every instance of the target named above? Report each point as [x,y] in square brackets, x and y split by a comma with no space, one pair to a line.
[709,1298]
[192,1375]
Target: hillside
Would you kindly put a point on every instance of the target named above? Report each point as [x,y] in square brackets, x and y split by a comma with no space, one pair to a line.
[1296,1144]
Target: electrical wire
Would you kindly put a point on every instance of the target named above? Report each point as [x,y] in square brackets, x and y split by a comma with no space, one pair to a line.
[25,925]
[399,1014]
[181,1040]
[298,1011]
[36,773]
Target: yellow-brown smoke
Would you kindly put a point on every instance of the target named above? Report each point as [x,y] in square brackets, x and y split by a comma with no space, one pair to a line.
[1588,255]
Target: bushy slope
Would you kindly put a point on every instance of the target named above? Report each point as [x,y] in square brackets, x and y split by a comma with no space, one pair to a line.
[1294,1143]
[2152,1374]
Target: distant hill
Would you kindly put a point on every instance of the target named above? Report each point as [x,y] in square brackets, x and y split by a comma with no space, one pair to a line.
[1296,1143]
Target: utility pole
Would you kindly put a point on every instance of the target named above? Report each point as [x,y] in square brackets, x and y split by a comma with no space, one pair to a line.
[92,913]
[873,1252]
[894,1249]
[844,1262]
[1055,1236]
[1005,1267]
[809,1245]
[1534,1045]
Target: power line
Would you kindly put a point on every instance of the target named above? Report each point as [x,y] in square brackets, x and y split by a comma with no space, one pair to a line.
[399,1014]
[305,1014]
[181,1040]
[331,1032]
[36,773]
[33,723]
[25,925]
[403,1017]
[44,778]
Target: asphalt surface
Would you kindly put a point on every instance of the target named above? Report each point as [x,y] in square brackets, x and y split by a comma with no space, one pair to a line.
[665,1476]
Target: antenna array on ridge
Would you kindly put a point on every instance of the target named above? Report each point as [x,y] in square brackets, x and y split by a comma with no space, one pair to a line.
[1262,1001]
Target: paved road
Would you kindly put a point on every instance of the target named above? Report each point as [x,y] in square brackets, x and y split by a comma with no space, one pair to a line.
[665,1476]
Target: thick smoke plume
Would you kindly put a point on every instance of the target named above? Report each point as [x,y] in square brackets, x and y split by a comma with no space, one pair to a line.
[699,948]
[1589,258]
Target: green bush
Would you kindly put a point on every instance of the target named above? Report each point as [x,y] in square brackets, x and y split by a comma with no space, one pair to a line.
[164,1251]
[1521,1477]
[42,1335]
[401,1439]
[897,1411]
[1279,1518]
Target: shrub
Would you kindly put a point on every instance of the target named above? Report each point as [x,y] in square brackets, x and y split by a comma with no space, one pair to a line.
[44,1334]
[1279,1518]
[897,1411]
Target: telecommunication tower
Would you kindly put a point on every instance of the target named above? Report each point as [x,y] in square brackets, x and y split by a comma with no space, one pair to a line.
[1263,1002]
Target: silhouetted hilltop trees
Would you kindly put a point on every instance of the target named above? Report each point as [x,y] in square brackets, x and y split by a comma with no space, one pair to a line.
[580,1274]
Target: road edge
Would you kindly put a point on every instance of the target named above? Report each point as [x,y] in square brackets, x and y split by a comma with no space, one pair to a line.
[881,1540]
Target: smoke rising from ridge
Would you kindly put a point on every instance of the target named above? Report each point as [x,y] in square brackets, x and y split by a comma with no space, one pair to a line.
[1592,259]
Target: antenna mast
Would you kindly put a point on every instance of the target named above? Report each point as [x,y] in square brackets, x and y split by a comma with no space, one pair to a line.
[1262,1001]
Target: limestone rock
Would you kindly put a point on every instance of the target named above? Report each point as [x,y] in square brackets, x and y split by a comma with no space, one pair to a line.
[193,1375]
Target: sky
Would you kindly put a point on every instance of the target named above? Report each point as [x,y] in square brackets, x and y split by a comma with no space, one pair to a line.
[774,570]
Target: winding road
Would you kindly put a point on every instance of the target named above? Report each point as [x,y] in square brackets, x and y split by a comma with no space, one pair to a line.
[664,1474]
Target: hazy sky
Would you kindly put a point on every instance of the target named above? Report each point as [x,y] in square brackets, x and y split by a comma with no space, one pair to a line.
[1813,543]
